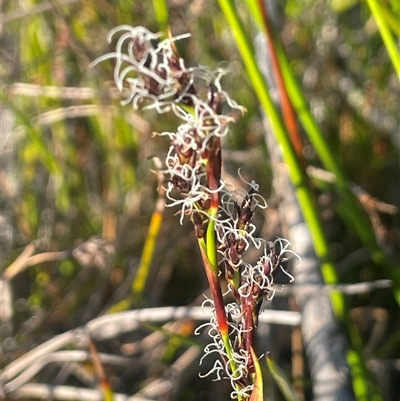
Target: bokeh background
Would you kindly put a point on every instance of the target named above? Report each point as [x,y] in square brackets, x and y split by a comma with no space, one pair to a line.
[78,189]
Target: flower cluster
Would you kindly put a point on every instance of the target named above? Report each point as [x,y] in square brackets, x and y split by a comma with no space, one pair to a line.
[153,75]
[249,283]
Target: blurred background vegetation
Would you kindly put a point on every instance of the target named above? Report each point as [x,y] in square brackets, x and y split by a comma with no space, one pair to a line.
[78,192]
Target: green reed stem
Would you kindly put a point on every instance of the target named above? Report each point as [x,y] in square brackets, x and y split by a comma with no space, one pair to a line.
[351,211]
[303,192]
[160,8]
[378,12]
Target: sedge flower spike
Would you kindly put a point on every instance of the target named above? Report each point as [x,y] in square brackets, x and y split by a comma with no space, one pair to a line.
[150,74]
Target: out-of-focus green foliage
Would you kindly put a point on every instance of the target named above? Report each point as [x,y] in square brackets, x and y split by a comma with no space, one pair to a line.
[75,164]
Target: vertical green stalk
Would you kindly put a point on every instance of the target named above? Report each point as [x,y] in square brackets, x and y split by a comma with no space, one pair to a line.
[379,15]
[160,8]
[297,176]
[149,248]
[351,209]
[303,193]
[281,380]
[211,249]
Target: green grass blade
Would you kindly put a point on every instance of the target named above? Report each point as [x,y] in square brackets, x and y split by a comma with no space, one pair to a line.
[161,13]
[379,15]
[296,174]
[281,380]
[302,190]
[350,209]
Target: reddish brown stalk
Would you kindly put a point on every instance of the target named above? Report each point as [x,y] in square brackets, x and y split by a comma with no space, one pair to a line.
[213,170]
[216,295]
[249,333]
[287,107]
[100,372]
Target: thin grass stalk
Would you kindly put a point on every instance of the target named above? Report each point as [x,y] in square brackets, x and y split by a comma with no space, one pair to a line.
[298,177]
[350,207]
[392,20]
[354,357]
[161,13]
[288,112]
[378,13]
[281,380]
[104,384]
[143,271]
[303,193]
[142,275]
[46,157]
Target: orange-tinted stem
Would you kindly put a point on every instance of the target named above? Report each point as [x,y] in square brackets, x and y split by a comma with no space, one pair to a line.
[287,107]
